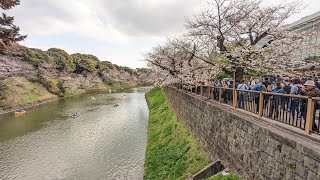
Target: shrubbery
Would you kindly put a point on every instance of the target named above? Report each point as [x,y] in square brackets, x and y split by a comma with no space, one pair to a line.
[43,80]
[35,56]
[61,88]
[129,70]
[62,59]
[3,89]
[85,62]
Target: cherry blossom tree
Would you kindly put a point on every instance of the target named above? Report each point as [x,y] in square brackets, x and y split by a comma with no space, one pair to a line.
[230,33]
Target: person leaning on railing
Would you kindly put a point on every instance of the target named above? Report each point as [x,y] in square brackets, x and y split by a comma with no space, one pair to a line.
[276,100]
[295,103]
[242,95]
[310,89]
[258,87]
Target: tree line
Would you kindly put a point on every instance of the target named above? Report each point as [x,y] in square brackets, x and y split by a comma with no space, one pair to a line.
[9,32]
[230,34]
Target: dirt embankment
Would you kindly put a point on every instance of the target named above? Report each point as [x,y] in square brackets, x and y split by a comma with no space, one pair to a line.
[31,76]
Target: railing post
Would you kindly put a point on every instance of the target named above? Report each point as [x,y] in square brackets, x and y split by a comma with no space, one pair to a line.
[196,90]
[260,104]
[309,115]
[208,90]
[220,94]
[235,98]
[200,88]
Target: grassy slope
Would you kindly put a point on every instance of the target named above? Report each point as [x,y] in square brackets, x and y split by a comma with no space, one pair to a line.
[21,91]
[172,153]
[116,85]
[219,176]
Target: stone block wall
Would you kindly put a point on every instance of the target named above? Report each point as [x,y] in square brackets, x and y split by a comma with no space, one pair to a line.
[250,146]
[209,171]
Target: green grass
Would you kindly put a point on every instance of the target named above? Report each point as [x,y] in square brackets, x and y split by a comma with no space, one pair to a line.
[172,153]
[69,92]
[31,97]
[230,176]
[20,91]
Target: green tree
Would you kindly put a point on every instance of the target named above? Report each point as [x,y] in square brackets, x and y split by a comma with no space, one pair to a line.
[9,33]
[3,89]
[85,62]
[62,59]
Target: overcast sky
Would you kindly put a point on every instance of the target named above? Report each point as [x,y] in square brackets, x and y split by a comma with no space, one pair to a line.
[119,31]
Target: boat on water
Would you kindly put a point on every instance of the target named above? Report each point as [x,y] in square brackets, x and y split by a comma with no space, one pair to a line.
[115,105]
[19,112]
[76,115]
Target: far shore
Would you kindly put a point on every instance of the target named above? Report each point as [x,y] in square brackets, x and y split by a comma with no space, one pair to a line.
[38,103]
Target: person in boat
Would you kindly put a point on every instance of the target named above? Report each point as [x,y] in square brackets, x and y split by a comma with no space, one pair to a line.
[76,114]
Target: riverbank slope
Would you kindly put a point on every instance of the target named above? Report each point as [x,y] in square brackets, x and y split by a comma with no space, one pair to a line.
[172,152]
[31,76]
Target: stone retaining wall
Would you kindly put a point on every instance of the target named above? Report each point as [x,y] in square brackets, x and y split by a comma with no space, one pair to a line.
[208,171]
[252,147]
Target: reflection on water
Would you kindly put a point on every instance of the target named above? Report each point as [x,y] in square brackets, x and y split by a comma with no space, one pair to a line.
[106,142]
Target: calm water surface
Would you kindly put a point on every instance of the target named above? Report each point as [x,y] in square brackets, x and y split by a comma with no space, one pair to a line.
[106,142]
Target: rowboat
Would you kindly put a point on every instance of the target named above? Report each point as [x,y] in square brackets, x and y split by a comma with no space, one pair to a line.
[19,112]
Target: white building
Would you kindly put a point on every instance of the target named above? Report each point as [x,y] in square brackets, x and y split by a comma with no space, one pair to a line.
[312,56]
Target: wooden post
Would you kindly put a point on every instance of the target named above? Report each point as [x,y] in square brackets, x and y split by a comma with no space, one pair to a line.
[208,90]
[196,90]
[201,88]
[260,104]
[220,94]
[309,116]
[235,98]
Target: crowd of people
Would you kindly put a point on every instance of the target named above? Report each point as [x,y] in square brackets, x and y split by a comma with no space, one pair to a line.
[274,105]
[295,86]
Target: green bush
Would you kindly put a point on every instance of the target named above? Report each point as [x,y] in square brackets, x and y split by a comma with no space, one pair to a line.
[253,73]
[61,88]
[222,75]
[85,63]
[35,56]
[3,90]
[105,65]
[43,80]
[63,60]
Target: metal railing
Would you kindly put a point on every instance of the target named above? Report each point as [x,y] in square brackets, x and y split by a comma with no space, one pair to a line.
[298,111]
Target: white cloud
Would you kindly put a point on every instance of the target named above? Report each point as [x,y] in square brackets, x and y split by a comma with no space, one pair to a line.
[115,30]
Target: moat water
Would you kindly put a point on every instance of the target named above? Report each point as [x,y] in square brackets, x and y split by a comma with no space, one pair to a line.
[105,142]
